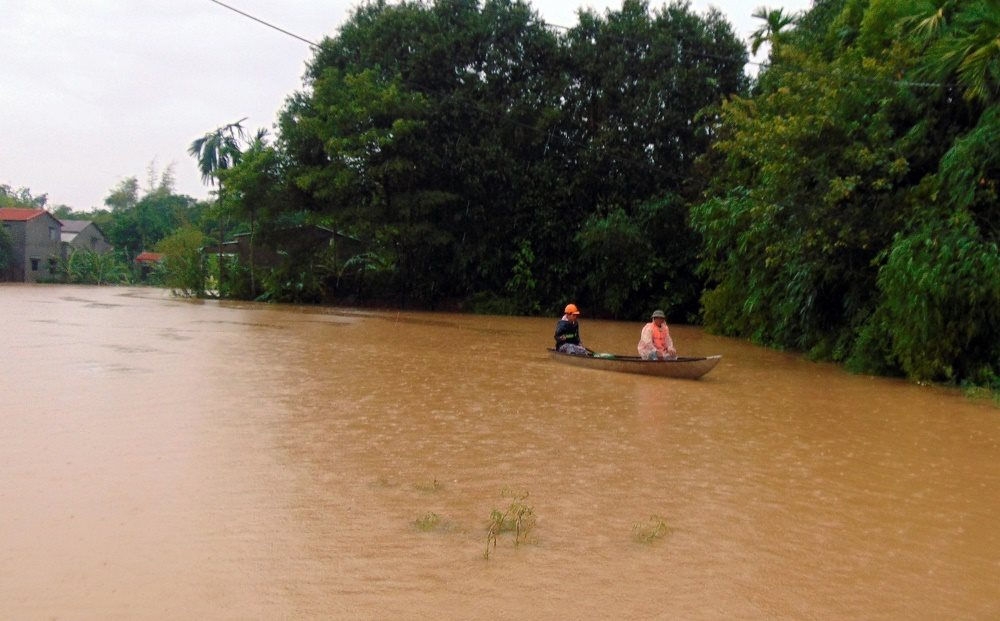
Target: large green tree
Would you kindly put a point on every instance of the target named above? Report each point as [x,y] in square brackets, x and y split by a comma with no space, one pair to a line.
[640,83]
[429,142]
[140,218]
[478,151]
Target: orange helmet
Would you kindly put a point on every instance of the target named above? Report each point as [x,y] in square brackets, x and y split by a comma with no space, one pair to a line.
[571,310]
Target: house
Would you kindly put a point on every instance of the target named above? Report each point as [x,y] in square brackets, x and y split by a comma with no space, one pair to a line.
[83,235]
[36,237]
[273,247]
[147,262]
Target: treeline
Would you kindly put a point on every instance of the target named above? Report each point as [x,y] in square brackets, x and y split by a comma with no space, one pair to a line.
[490,162]
[852,211]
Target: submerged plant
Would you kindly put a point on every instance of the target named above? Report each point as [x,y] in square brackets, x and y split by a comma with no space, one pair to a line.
[518,518]
[651,530]
[431,486]
[428,522]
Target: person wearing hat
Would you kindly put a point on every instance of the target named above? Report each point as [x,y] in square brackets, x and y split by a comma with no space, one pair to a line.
[568,332]
[655,342]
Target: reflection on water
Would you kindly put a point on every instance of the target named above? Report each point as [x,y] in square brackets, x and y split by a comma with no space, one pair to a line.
[162,458]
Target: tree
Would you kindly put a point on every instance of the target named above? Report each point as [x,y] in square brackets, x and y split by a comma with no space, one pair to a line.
[123,232]
[184,269]
[805,197]
[138,221]
[216,151]
[963,45]
[940,281]
[775,21]
[373,133]
[637,94]
[21,197]
[468,144]
[88,267]
[256,186]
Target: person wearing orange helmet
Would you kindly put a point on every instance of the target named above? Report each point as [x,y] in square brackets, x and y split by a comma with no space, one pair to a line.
[568,332]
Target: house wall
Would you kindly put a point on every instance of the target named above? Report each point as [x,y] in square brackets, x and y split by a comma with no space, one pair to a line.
[42,243]
[15,271]
[90,238]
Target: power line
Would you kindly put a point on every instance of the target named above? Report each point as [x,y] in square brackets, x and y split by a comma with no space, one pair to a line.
[268,24]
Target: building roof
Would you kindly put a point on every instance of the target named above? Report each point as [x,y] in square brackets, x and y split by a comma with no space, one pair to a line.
[74,226]
[149,257]
[19,214]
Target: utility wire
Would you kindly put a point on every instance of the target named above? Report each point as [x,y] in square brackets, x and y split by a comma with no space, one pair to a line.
[268,24]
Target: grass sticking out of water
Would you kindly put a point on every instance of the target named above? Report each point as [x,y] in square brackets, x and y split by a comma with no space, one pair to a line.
[428,522]
[982,394]
[518,518]
[384,482]
[649,531]
[428,486]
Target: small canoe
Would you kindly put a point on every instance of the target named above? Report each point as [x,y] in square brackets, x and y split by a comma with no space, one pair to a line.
[686,367]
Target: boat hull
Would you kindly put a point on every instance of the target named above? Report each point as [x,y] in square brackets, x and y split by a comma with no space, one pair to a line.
[684,367]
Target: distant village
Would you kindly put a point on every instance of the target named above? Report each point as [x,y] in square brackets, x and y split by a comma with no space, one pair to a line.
[40,241]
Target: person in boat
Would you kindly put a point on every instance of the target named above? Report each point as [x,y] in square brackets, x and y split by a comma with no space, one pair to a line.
[568,332]
[655,342]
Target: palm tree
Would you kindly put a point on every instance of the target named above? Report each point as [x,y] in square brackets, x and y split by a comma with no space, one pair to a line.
[931,19]
[218,150]
[963,44]
[775,20]
[254,148]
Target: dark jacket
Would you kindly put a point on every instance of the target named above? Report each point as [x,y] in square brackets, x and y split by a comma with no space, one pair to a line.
[567,332]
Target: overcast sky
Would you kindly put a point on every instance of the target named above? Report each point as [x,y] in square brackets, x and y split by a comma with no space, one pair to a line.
[94,91]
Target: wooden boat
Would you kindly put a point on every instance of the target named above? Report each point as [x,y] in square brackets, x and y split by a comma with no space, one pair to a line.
[686,367]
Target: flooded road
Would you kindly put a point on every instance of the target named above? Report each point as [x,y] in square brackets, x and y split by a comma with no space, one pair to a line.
[174,459]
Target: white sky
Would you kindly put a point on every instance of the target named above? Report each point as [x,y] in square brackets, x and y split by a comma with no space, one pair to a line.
[93,91]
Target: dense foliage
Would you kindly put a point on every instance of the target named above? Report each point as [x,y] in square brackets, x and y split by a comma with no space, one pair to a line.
[853,211]
[485,158]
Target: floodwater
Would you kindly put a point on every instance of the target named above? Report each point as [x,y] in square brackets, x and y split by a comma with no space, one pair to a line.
[174,459]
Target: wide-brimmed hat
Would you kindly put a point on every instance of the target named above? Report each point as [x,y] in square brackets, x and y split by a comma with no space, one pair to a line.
[658,313]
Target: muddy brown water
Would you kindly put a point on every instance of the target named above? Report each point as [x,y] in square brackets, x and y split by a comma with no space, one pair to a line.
[174,459]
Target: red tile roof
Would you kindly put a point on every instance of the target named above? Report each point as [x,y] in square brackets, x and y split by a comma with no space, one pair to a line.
[149,257]
[19,214]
